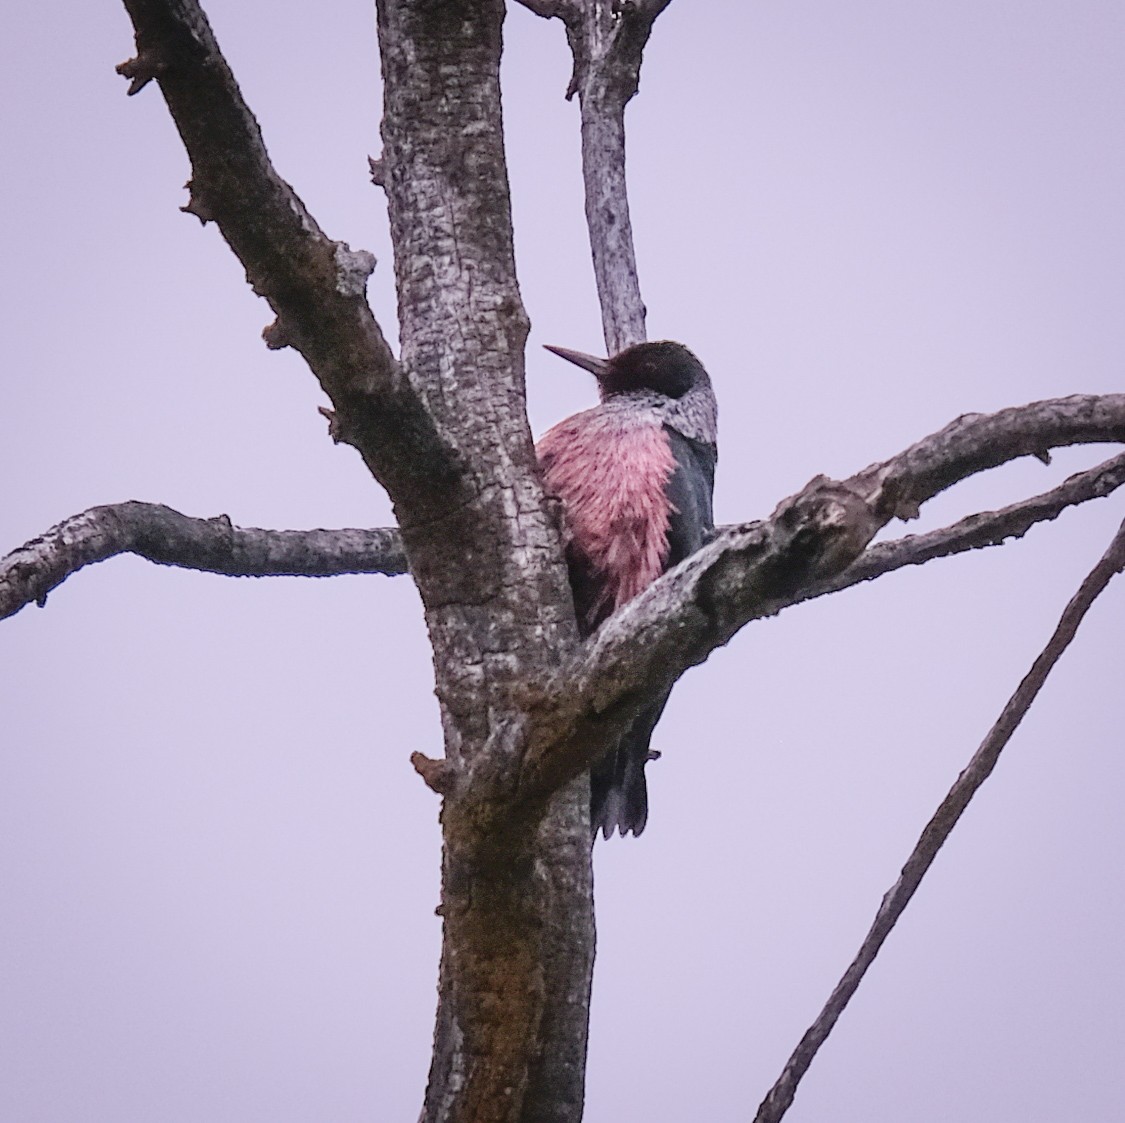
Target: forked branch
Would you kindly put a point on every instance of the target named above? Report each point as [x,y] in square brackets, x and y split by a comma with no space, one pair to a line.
[945,818]
[756,570]
[167,537]
[975,532]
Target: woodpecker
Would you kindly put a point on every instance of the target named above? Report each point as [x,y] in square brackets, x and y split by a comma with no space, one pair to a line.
[634,476]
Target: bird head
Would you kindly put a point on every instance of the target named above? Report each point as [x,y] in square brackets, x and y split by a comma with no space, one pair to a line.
[664,367]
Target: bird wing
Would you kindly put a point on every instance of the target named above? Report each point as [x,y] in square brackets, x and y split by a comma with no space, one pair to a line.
[689,490]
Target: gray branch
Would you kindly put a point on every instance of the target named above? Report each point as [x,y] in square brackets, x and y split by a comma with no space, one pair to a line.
[316,286]
[162,535]
[989,528]
[756,570]
[945,818]
[607,39]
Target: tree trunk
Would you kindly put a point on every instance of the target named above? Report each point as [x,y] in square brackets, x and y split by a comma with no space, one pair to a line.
[517,951]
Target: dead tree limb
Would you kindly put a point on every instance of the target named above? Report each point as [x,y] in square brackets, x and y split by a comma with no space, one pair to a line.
[975,532]
[938,829]
[755,570]
[167,537]
[164,536]
[315,286]
[607,40]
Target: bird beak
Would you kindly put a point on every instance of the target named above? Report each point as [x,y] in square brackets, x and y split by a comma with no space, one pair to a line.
[597,367]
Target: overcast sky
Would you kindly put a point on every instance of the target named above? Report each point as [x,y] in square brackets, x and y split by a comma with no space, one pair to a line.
[217,869]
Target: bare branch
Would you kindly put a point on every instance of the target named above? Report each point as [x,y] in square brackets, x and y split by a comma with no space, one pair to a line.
[607,39]
[976,441]
[167,537]
[989,528]
[755,570]
[164,536]
[938,829]
[314,284]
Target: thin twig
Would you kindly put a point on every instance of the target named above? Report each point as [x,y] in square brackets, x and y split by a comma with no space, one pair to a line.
[780,1096]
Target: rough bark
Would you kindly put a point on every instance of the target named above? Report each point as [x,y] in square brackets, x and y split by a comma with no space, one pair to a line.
[487,565]
[167,537]
[516,899]
[445,432]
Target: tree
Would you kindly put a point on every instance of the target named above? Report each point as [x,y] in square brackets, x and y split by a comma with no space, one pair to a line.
[427,485]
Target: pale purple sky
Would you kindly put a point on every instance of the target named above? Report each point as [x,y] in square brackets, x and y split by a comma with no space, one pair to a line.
[217,869]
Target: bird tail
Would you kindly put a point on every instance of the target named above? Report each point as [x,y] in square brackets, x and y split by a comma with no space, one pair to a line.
[618,792]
